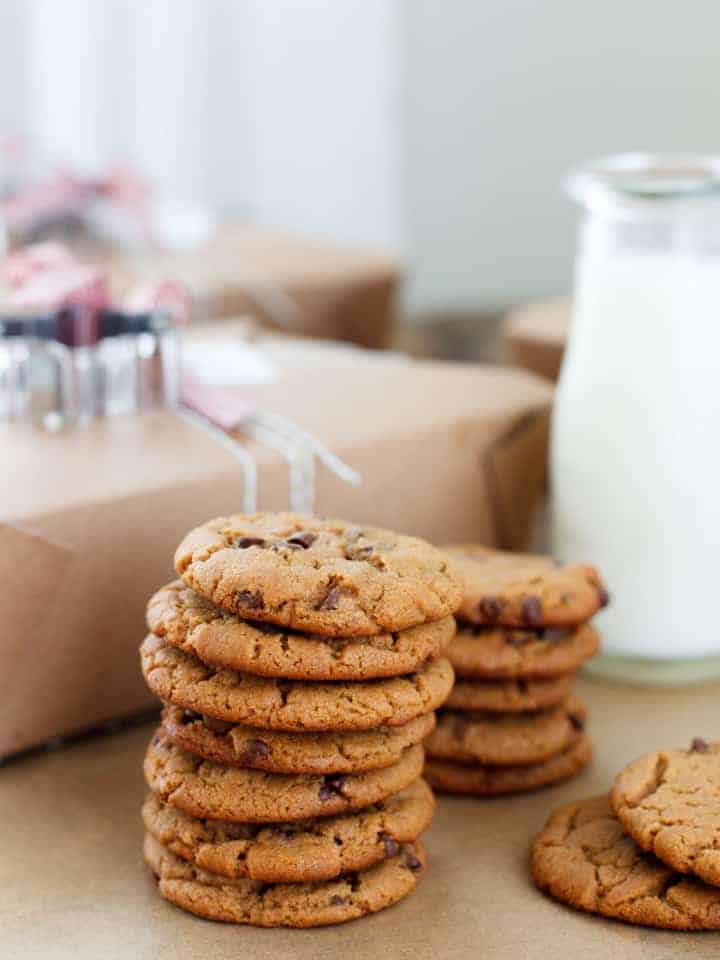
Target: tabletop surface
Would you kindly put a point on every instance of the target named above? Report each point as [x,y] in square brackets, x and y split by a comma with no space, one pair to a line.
[74,886]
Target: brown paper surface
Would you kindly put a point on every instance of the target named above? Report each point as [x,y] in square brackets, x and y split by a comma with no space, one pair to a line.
[74,886]
[448,453]
[334,293]
[535,334]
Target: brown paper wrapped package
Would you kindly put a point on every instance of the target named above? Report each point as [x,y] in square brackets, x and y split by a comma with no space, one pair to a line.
[291,283]
[534,336]
[91,517]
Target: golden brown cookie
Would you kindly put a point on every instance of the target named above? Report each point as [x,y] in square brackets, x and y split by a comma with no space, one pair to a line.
[284,905]
[503,653]
[509,696]
[522,590]
[321,576]
[506,739]
[488,781]
[583,858]
[216,637]
[300,852]
[352,751]
[207,790]
[181,679]
[669,803]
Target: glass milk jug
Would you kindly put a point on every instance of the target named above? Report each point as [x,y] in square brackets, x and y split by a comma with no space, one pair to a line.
[636,428]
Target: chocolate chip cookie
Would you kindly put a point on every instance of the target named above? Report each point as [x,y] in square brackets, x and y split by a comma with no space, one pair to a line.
[487,781]
[669,803]
[284,905]
[583,858]
[298,852]
[320,576]
[522,590]
[509,696]
[238,745]
[505,739]
[208,790]
[183,680]
[506,653]
[191,622]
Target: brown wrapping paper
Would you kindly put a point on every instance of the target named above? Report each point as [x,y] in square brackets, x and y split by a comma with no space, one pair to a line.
[286,282]
[91,518]
[74,885]
[534,336]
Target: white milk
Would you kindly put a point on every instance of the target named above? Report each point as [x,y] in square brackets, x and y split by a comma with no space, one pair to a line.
[636,449]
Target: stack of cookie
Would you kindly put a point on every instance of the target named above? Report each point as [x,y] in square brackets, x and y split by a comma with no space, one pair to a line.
[649,853]
[299,663]
[511,722]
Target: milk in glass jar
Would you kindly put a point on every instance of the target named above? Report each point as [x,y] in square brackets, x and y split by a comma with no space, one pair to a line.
[636,427]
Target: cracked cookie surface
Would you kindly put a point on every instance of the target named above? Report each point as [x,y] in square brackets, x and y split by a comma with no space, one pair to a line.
[506,739]
[208,790]
[669,803]
[484,780]
[505,653]
[509,696]
[583,858]
[217,637]
[284,905]
[297,852]
[524,590]
[183,680]
[238,745]
[321,576]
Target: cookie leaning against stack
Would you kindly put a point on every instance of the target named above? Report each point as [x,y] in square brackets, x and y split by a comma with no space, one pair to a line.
[648,854]
[511,722]
[299,663]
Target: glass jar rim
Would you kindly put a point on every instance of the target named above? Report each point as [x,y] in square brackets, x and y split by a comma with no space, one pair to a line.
[637,181]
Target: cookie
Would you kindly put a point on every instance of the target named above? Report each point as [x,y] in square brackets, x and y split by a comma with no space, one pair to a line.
[522,590]
[506,739]
[181,679]
[300,852]
[192,623]
[353,751]
[487,781]
[669,803]
[207,790]
[583,858]
[321,576]
[503,653]
[282,904]
[509,696]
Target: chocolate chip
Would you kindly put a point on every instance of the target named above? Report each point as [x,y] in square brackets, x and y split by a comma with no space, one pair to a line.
[358,553]
[217,726]
[244,542]
[336,900]
[522,686]
[577,722]
[531,611]
[390,843]
[252,599]
[189,716]
[412,862]
[303,540]
[337,841]
[490,608]
[331,785]
[252,751]
[603,596]
[331,599]
[553,633]
[699,745]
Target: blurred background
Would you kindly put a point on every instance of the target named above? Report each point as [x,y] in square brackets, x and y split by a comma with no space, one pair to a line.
[435,132]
